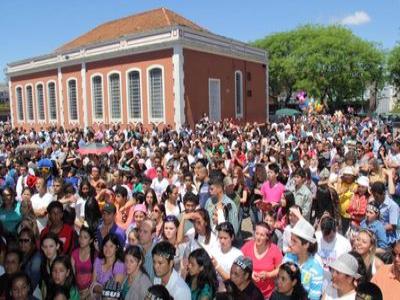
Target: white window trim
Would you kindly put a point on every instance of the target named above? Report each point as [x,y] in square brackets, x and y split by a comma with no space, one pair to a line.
[94,119]
[154,120]
[48,101]
[33,102]
[114,120]
[17,105]
[239,115]
[127,95]
[37,104]
[77,100]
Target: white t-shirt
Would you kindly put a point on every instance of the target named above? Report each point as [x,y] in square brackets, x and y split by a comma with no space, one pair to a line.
[329,252]
[176,287]
[213,243]
[331,294]
[39,203]
[225,260]
[159,186]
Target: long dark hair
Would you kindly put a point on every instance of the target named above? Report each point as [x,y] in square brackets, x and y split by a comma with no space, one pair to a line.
[206,217]
[119,254]
[92,190]
[91,233]
[92,213]
[207,275]
[299,293]
[137,253]
[69,281]
[289,197]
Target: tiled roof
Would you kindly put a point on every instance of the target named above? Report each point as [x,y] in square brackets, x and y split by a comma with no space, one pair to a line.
[143,22]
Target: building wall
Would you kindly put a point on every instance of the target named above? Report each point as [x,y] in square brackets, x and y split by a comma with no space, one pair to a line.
[142,62]
[199,67]
[24,81]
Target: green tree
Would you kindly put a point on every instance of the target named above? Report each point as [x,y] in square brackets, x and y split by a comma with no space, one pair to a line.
[329,62]
[394,66]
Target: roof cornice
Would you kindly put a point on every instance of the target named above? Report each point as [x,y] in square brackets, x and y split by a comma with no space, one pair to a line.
[155,40]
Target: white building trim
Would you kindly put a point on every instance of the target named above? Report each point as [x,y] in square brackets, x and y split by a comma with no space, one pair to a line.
[33,102]
[10,91]
[84,96]
[110,118]
[97,120]
[127,95]
[179,87]
[60,96]
[41,121]
[50,120]
[164,38]
[16,118]
[73,122]
[150,119]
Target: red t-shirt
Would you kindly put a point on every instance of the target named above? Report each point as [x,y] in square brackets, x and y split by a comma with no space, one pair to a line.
[269,262]
[65,235]
[273,194]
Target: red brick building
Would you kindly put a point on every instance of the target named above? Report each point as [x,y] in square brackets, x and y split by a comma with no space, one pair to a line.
[151,67]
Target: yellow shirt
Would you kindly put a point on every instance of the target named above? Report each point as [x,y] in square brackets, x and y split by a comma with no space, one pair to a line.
[345,192]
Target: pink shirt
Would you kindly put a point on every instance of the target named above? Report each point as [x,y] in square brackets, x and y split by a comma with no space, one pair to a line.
[272,194]
[269,262]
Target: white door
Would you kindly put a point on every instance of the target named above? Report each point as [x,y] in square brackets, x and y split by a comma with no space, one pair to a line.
[214,99]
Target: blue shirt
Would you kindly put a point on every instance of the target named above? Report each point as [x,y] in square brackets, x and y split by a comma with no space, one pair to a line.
[115,229]
[377,228]
[11,218]
[312,275]
[389,214]
[204,194]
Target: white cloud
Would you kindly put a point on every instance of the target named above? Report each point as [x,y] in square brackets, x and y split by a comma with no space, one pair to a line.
[358,18]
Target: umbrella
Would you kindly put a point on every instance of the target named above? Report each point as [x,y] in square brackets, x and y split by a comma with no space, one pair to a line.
[287,112]
[94,148]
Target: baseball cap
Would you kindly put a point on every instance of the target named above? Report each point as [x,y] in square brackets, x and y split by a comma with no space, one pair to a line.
[109,208]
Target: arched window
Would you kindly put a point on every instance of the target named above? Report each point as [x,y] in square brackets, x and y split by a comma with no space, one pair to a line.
[239,94]
[52,101]
[156,94]
[40,102]
[114,89]
[20,105]
[29,102]
[97,97]
[72,100]
[134,95]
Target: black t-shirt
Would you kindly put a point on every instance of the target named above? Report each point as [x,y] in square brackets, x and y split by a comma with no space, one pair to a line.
[278,296]
[251,292]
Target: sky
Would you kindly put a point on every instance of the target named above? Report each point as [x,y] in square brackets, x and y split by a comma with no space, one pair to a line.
[30,28]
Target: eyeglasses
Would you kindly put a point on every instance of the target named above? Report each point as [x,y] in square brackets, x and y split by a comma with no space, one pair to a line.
[24,241]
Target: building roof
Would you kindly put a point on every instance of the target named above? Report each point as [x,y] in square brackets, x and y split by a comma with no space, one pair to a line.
[142,22]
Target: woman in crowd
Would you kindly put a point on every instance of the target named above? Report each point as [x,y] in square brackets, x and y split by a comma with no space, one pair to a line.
[159,183]
[109,265]
[365,245]
[375,225]
[201,235]
[282,216]
[136,282]
[85,192]
[302,248]
[225,253]
[51,247]
[62,277]
[170,234]
[82,261]
[92,213]
[358,203]
[32,259]
[150,199]
[266,258]
[158,215]
[173,205]
[10,214]
[201,277]
[288,284]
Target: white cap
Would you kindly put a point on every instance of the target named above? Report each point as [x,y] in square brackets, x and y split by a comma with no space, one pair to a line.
[363,181]
[346,264]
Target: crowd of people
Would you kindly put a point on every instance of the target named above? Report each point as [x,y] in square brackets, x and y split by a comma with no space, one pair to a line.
[305,208]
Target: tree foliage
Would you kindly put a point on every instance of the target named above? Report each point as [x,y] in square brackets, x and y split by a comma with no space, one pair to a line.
[394,66]
[329,62]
